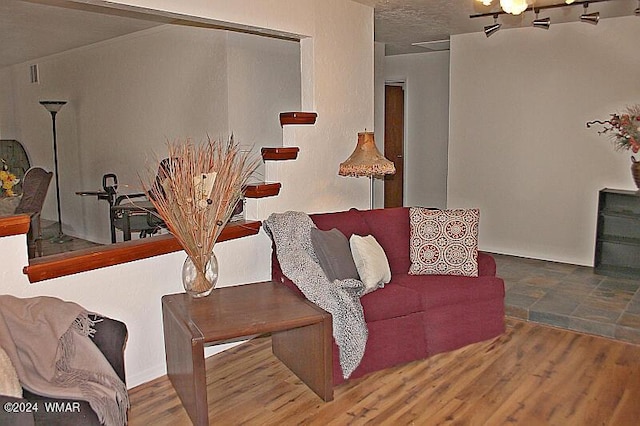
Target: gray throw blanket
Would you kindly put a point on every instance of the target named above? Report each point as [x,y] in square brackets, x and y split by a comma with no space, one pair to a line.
[48,342]
[290,232]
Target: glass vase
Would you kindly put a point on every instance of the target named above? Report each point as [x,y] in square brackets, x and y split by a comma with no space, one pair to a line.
[199,283]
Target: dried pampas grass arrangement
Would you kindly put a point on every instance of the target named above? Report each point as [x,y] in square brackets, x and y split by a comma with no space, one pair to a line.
[195,191]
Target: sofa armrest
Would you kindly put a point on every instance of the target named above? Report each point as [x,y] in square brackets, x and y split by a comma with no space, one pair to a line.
[111,339]
[486,265]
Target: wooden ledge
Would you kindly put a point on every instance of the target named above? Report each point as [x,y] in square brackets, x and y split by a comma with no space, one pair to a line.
[289,118]
[280,153]
[59,265]
[14,225]
[262,189]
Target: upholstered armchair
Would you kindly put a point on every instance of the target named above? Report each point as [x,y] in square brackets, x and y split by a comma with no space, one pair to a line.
[110,337]
[34,190]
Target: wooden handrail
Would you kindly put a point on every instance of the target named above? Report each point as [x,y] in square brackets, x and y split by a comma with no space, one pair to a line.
[63,264]
[14,225]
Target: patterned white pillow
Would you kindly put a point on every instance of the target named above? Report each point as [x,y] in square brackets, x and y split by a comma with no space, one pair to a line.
[444,242]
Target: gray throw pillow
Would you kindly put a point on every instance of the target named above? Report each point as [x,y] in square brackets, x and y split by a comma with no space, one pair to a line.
[334,254]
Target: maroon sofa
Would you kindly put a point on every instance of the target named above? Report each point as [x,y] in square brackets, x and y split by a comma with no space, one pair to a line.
[414,316]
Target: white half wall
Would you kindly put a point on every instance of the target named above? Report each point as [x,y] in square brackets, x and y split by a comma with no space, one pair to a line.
[518,146]
[132,292]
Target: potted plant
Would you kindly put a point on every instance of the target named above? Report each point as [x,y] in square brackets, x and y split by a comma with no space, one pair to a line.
[195,190]
[624,131]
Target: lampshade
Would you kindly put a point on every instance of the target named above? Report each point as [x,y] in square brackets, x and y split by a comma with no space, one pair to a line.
[366,160]
[53,106]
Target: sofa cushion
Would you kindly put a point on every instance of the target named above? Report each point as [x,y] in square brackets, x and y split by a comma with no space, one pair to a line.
[371,261]
[334,254]
[349,222]
[444,242]
[390,302]
[442,290]
[391,229]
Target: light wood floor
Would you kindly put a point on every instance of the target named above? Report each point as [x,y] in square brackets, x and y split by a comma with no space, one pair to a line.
[531,375]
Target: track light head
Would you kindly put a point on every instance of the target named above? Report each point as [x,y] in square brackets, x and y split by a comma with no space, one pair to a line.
[490,29]
[591,18]
[543,23]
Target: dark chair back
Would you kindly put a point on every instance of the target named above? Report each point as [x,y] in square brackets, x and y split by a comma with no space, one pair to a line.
[34,190]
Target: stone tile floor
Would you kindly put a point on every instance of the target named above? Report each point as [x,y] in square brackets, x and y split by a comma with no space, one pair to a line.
[571,297]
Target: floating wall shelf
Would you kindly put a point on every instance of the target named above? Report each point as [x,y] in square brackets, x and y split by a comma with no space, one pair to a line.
[262,189]
[288,118]
[280,153]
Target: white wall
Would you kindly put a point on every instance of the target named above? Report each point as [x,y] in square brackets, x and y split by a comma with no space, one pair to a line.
[426,83]
[263,81]
[336,81]
[7,119]
[518,146]
[379,58]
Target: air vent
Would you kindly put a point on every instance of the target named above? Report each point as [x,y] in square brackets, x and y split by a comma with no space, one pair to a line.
[34,78]
[434,46]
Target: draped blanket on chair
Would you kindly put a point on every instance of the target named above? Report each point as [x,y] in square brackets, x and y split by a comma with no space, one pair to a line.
[290,232]
[48,342]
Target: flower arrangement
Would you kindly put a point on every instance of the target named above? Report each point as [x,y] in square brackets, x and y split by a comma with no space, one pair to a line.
[623,129]
[195,191]
[7,181]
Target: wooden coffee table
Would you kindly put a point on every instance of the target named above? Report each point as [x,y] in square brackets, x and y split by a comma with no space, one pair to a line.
[301,336]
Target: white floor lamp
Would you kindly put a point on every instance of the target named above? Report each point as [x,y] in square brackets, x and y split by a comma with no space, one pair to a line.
[53,107]
[366,160]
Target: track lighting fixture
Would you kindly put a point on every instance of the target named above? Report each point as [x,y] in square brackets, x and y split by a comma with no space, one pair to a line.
[516,7]
[591,18]
[490,29]
[543,23]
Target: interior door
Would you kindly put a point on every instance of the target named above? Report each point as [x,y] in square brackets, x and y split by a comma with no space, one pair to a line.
[394,144]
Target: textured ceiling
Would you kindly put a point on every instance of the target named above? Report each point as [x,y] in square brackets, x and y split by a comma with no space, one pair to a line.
[399,23]
[35,28]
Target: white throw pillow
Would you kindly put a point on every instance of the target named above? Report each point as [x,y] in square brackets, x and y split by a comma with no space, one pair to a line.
[371,262]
